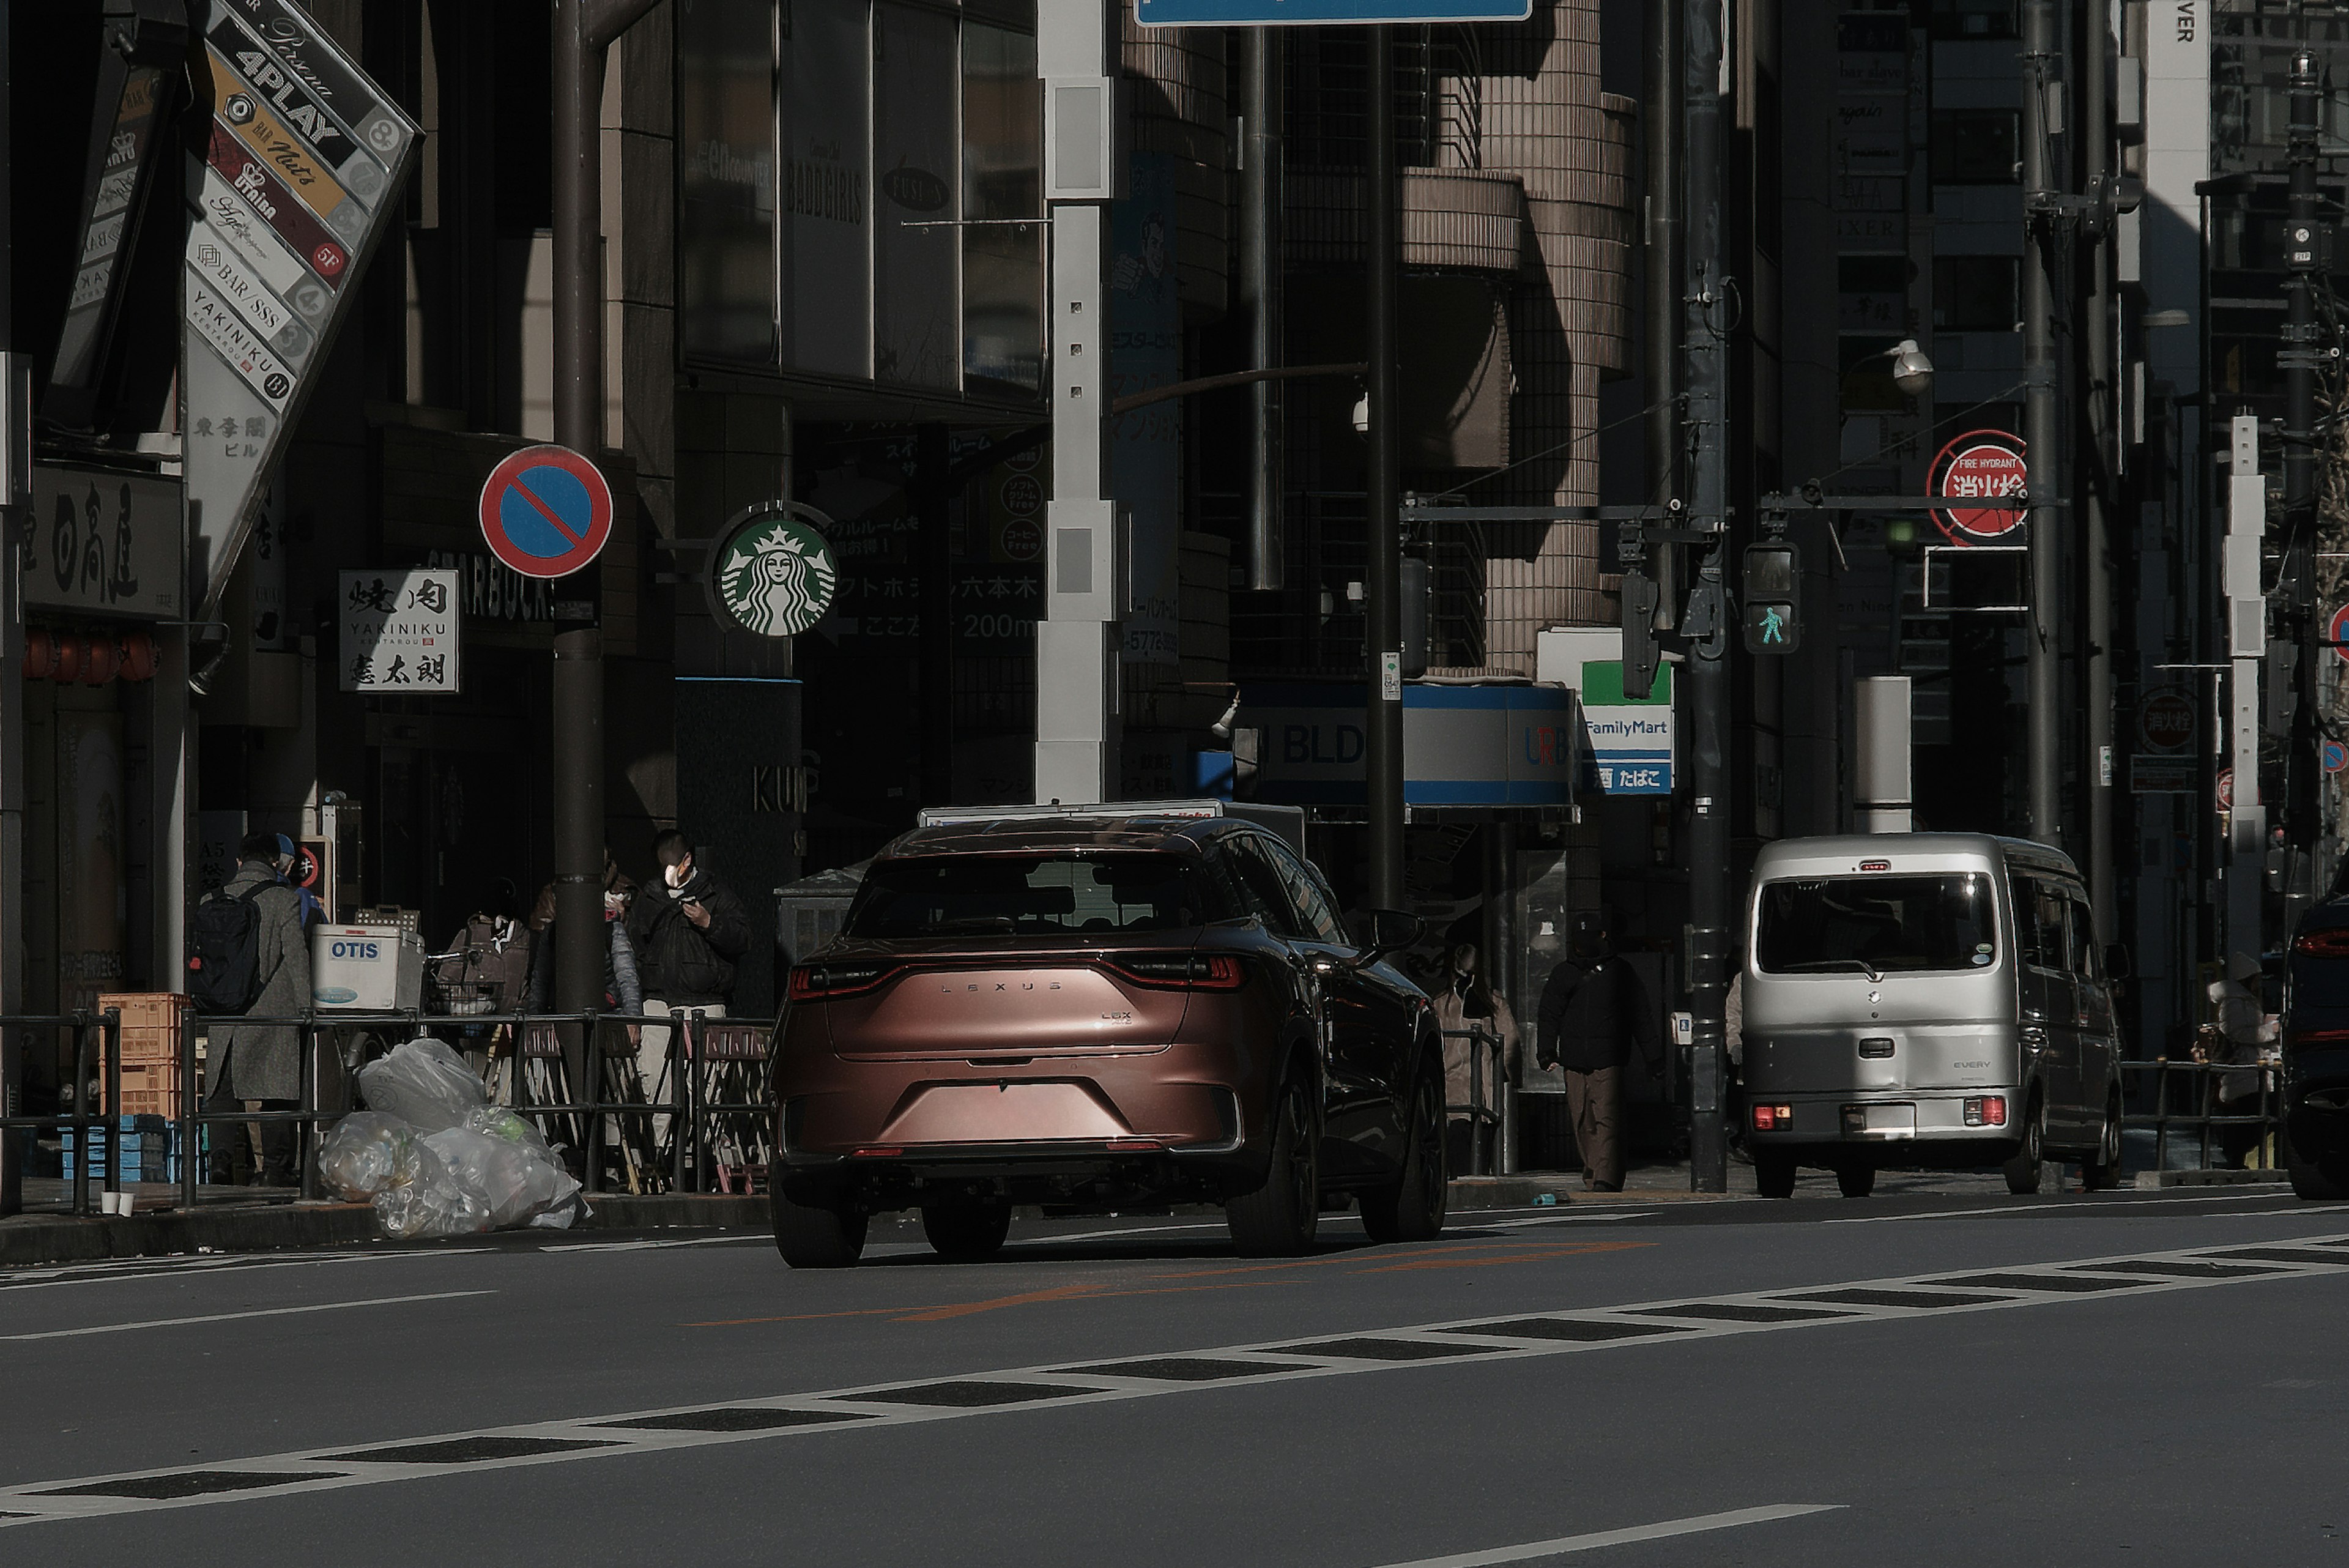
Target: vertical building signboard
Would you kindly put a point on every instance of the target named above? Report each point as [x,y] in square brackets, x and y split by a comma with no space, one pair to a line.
[299,178]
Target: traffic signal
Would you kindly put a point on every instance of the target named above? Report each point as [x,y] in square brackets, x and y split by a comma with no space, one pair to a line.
[1771,606]
[1640,652]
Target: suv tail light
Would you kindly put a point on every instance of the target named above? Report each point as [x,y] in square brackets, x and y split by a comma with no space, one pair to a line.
[2334,943]
[1182,971]
[821,981]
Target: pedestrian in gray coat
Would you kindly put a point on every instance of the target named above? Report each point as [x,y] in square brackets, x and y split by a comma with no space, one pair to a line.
[257,1064]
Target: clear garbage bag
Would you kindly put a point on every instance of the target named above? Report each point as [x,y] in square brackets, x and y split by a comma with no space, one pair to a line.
[432,1203]
[425,1082]
[368,1152]
[496,1121]
[516,1184]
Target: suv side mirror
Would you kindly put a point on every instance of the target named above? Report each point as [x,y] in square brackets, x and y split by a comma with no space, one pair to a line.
[2116,961]
[1387,931]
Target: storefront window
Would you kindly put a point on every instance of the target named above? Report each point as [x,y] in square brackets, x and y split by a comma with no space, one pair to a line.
[1003,194]
[914,198]
[726,196]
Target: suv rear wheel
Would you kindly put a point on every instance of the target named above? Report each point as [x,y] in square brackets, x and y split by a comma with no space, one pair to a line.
[2319,1176]
[963,1228]
[1278,1219]
[1412,1209]
[825,1234]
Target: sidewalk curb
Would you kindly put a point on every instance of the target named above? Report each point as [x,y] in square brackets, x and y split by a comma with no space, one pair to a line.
[2150,1180]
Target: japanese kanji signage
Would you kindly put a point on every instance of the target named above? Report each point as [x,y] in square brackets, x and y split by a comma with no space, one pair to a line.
[298,180]
[103,541]
[1984,464]
[399,631]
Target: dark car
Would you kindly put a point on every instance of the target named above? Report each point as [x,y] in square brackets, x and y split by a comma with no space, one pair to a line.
[2316,1053]
[1100,1014]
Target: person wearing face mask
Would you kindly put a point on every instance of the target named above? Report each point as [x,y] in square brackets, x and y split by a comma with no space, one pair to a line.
[690,931]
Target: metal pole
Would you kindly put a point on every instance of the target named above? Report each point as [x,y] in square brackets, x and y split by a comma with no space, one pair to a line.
[2305,213]
[2097,559]
[1260,110]
[2041,435]
[15,385]
[1708,663]
[1383,753]
[1665,281]
[933,495]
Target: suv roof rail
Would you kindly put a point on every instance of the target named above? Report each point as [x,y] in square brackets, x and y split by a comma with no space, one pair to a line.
[1288,821]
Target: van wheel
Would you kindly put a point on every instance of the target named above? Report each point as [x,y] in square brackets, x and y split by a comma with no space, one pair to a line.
[1856,1179]
[966,1229]
[2314,1178]
[1412,1210]
[1773,1173]
[1278,1219]
[828,1235]
[2022,1171]
[2102,1170]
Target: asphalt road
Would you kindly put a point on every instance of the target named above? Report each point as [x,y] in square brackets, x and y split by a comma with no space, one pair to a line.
[1928,1376]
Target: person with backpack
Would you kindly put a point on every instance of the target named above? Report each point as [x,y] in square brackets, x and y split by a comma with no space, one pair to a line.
[251,960]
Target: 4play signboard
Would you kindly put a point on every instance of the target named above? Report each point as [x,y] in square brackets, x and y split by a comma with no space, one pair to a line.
[297,182]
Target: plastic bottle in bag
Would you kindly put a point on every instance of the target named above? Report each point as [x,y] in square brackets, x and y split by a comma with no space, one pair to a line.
[423,1082]
[515,1184]
[432,1203]
[367,1153]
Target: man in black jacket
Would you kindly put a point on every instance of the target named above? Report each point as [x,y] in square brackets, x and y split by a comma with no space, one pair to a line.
[690,930]
[1593,1010]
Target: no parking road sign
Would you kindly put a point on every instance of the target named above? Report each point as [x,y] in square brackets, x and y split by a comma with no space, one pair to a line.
[546,512]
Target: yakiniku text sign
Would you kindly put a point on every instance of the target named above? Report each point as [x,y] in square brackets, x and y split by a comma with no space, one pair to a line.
[399,631]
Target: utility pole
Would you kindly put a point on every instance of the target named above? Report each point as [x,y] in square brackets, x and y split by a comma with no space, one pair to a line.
[1707,623]
[2247,646]
[2304,258]
[1664,278]
[2041,432]
[15,479]
[584,31]
[1261,52]
[2096,554]
[1077,640]
[1382,749]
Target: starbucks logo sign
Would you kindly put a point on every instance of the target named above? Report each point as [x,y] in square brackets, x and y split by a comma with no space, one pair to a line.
[771,571]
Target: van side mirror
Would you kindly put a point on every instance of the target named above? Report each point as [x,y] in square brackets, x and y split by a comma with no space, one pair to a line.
[2116,961]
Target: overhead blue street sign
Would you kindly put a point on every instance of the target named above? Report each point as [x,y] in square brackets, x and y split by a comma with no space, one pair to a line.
[1322,12]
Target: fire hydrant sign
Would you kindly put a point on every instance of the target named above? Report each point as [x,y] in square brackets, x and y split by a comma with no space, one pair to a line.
[1986,465]
[399,631]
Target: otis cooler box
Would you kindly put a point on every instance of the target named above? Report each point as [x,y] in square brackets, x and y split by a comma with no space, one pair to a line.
[365,968]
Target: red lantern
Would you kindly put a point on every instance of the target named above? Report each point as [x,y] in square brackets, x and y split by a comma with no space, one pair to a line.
[40,656]
[100,658]
[139,657]
[67,668]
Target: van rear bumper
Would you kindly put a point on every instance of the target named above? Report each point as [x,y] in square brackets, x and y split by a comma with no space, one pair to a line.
[1933,1116]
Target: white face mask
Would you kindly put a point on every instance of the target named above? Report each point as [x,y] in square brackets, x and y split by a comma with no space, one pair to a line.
[676,875]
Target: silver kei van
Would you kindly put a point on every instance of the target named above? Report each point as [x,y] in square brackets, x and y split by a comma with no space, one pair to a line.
[1926,998]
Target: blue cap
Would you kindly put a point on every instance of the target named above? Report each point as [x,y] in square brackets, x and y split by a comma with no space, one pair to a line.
[284,845]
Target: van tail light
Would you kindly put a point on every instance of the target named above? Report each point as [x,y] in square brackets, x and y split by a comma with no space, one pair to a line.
[1988,1111]
[1182,971]
[821,981]
[1774,1118]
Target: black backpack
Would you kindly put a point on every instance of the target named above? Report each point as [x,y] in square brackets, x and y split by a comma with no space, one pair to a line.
[224,959]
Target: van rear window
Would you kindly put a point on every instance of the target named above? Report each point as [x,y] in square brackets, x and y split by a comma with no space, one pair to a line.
[1877,925]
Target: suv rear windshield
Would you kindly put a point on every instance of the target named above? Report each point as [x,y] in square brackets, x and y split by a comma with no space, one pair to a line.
[1039,895]
[1884,925]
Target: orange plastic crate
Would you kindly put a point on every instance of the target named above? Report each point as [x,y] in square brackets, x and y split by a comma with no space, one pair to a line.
[147,1009]
[151,1102]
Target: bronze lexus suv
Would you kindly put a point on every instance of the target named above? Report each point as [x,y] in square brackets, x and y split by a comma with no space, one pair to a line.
[1103,1013]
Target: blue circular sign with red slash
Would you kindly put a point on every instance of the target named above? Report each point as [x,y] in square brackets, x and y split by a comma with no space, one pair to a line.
[546,512]
[2336,632]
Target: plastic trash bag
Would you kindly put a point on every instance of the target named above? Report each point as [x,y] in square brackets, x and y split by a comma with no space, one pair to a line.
[496,1121]
[425,1082]
[367,1153]
[432,1203]
[515,1183]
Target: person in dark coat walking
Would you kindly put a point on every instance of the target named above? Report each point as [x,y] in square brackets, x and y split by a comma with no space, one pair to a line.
[255,1063]
[690,931]
[1593,1010]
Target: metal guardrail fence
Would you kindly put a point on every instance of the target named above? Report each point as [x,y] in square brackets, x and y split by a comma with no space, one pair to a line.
[2202,1119]
[719,1057]
[1476,1113]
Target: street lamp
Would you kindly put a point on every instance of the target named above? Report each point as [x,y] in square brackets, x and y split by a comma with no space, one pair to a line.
[1912,372]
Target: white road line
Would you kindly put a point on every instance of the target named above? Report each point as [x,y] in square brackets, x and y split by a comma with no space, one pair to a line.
[1065,1385]
[205,1266]
[229,1316]
[2092,1206]
[1695,1525]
